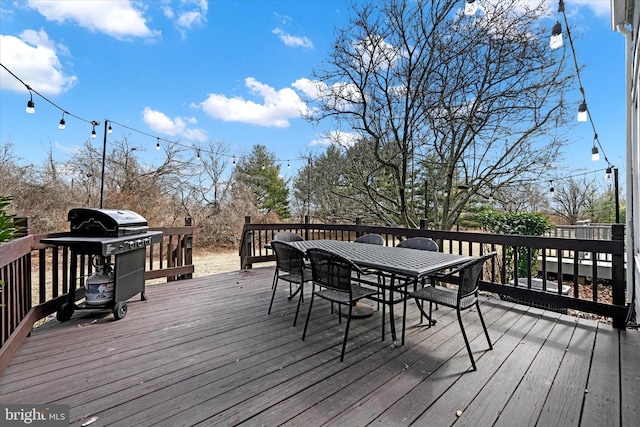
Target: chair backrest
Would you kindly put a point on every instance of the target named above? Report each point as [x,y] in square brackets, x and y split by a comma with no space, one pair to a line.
[330,270]
[288,258]
[470,274]
[372,239]
[287,236]
[421,243]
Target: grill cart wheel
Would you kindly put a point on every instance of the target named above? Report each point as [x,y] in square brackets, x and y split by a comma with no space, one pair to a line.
[120,310]
[65,312]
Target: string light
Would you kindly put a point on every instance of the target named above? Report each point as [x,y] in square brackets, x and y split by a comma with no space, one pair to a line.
[608,173]
[93,130]
[556,32]
[551,190]
[108,123]
[556,36]
[31,107]
[470,8]
[62,124]
[582,112]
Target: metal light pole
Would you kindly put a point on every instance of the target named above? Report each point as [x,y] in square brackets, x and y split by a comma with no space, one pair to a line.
[309,187]
[104,155]
[617,196]
[426,203]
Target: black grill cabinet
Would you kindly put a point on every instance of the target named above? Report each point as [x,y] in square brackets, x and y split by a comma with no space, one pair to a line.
[116,241]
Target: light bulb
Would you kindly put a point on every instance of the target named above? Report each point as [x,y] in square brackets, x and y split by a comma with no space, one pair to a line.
[470,8]
[595,156]
[556,36]
[582,112]
[608,173]
[62,124]
[31,107]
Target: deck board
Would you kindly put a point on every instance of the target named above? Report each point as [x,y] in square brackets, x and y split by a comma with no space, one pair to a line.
[205,352]
[563,406]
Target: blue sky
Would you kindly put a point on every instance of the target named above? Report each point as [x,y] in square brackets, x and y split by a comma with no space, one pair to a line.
[235,71]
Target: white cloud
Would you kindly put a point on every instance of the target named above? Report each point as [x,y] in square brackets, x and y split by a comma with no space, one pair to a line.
[188,14]
[276,109]
[118,19]
[284,19]
[600,8]
[336,137]
[313,89]
[293,41]
[33,57]
[180,126]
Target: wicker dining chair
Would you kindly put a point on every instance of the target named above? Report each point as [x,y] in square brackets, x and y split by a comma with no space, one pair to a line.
[332,275]
[371,239]
[421,243]
[287,236]
[464,298]
[290,267]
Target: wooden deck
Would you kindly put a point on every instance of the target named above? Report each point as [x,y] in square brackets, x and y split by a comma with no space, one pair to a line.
[205,352]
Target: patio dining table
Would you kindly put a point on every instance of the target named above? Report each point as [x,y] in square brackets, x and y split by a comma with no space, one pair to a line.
[407,265]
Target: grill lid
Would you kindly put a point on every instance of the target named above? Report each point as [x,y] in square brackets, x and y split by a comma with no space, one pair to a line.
[105,222]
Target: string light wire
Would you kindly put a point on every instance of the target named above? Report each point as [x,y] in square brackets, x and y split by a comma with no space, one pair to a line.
[95,123]
[584,103]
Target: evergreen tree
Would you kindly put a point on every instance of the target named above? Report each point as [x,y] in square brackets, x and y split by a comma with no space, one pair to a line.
[261,175]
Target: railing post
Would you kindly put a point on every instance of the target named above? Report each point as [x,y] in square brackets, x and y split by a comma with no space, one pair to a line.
[22,225]
[307,220]
[188,247]
[423,224]
[617,274]
[247,246]
[358,223]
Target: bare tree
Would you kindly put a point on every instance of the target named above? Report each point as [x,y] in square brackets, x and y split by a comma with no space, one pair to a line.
[573,198]
[465,103]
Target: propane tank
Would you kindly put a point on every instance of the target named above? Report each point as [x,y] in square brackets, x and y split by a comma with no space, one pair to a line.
[100,286]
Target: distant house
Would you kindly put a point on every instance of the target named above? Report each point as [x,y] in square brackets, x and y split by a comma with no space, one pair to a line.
[625,19]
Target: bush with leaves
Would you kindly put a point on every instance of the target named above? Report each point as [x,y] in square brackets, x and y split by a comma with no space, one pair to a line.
[520,223]
[7,228]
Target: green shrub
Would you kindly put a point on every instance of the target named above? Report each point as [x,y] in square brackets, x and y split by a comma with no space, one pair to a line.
[520,223]
[7,228]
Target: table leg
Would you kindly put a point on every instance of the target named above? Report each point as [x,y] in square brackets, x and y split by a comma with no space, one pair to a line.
[392,322]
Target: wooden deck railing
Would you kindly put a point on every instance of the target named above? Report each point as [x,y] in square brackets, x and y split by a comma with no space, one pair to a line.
[502,271]
[36,279]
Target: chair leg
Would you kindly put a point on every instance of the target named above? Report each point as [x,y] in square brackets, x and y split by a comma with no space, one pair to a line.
[384,310]
[404,316]
[346,334]
[466,340]
[274,286]
[486,332]
[431,321]
[420,305]
[295,319]
[304,333]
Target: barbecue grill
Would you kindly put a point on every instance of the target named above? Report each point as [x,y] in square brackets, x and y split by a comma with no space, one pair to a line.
[116,241]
